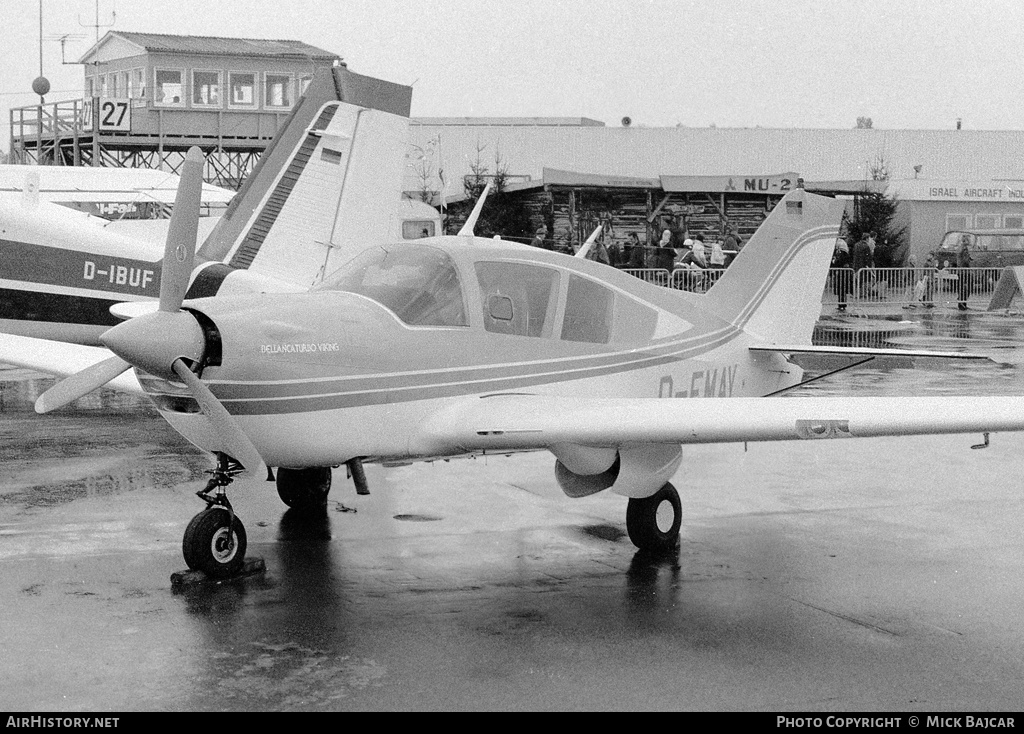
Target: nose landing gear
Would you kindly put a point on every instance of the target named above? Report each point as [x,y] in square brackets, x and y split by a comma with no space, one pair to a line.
[214,540]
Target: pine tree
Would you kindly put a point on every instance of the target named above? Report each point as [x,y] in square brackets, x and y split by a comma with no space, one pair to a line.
[876,212]
[502,215]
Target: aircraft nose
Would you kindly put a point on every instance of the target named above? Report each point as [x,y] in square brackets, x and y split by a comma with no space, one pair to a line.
[152,342]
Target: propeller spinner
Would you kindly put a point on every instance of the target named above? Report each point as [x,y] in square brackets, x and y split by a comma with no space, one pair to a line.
[168,342]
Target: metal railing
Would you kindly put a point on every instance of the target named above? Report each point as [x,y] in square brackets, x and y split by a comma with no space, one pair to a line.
[697,281]
[53,118]
[658,276]
[910,286]
[869,286]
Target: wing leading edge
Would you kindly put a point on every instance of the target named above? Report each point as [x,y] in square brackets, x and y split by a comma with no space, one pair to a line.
[518,422]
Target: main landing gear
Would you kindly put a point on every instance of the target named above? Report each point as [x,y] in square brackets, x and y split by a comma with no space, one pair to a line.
[653,522]
[214,540]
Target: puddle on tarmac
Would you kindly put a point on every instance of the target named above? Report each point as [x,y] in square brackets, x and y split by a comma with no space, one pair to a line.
[104,444]
[996,336]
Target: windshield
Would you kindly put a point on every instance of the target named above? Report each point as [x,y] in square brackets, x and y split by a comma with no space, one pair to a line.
[984,240]
[420,284]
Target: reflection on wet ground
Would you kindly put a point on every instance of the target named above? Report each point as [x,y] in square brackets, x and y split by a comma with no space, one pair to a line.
[51,459]
[847,575]
[995,336]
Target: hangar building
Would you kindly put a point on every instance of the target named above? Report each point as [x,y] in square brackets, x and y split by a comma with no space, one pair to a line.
[944,179]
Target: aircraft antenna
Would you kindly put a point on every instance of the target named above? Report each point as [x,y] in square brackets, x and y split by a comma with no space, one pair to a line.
[467,228]
[585,247]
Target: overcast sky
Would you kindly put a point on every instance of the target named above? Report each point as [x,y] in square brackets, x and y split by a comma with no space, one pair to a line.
[781,63]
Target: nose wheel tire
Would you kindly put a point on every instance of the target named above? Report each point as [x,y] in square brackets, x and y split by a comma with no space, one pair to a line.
[213,547]
[653,522]
[304,489]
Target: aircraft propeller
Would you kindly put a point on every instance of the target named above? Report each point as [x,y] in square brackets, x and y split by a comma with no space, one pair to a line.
[167,342]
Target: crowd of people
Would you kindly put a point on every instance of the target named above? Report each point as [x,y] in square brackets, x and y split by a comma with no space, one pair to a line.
[853,266]
[675,248]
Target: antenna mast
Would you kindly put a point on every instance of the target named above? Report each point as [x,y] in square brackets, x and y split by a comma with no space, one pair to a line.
[96,23]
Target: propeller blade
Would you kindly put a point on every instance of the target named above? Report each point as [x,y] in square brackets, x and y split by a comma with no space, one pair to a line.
[182,233]
[80,384]
[240,447]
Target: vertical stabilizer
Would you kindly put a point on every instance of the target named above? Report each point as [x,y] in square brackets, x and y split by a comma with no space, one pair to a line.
[327,186]
[773,287]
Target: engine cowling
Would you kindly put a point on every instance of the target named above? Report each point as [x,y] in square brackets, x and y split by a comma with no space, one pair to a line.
[632,471]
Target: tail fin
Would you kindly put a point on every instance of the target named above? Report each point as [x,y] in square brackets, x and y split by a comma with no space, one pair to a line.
[329,184]
[772,289]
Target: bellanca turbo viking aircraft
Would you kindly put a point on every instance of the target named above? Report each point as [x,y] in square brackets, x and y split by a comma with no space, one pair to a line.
[457,345]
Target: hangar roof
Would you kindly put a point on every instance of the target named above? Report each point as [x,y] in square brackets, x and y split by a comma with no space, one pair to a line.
[815,154]
[215,46]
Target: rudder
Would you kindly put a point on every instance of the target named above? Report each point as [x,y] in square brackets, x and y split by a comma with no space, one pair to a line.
[773,287]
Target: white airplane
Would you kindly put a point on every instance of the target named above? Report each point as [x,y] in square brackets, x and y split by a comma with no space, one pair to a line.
[455,346]
[334,162]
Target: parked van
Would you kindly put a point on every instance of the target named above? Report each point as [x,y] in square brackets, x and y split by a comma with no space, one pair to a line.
[989,248]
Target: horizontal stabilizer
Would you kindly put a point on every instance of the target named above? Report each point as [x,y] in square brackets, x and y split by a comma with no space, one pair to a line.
[863,351]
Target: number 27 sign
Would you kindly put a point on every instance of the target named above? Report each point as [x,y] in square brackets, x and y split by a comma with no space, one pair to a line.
[115,115]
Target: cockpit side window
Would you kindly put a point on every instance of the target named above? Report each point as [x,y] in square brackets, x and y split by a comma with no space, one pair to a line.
[588,312]
[420,284]
[517,298]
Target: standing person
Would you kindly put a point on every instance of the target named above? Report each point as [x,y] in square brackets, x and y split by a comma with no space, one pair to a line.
[615,255]
[636,251]
[666,254]
[599,252]
[683,251]
[700,255]
[931,281]
[842,276]
[862,260]
[731,241]
[678,235]
[717,260]
[540,239]
[963,263]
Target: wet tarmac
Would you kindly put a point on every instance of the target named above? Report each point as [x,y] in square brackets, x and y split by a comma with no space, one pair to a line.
[878,575]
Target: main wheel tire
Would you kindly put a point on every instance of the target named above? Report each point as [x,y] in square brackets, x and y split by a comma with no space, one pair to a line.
[304,489]
[653,522]
[210,547]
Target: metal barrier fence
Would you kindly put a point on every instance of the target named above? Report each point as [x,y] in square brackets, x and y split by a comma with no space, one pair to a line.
[697,281]
[658,276]
[869,286]
[910,286]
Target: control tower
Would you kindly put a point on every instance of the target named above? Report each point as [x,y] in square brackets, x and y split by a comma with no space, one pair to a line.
[148,97]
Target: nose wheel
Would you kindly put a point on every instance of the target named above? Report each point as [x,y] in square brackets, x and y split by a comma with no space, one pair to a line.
[214,541]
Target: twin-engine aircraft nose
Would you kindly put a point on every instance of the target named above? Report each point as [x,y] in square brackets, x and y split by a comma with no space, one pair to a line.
[153,341]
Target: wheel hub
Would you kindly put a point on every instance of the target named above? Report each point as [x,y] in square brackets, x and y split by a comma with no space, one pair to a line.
[223,545]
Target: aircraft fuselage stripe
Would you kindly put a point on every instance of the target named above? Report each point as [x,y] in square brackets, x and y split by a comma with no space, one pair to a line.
[312,396]
[26,305]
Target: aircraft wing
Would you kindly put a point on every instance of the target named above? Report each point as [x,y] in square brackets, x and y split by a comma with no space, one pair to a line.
[60,359]
[516,422]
